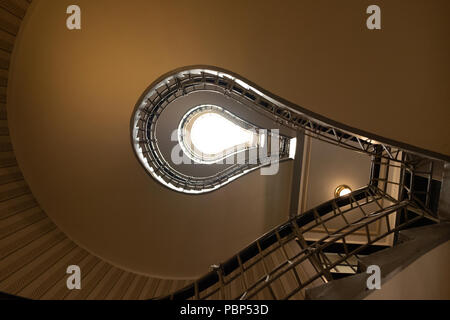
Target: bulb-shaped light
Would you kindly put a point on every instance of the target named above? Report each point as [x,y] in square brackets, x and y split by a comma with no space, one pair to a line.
[211,133]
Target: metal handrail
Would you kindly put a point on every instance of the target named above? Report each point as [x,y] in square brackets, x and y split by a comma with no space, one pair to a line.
[183,81]
[393,168]
[374,202]
[289,231]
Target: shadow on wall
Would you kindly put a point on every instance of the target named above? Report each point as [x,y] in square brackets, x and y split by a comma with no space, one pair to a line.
[274,214]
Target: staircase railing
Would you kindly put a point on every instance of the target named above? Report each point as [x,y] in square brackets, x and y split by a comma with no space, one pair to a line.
[376,213]
[403,191]
[367,218]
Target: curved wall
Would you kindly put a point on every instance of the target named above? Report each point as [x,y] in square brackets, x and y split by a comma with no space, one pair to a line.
[71,94]
[34,253]
[71,132]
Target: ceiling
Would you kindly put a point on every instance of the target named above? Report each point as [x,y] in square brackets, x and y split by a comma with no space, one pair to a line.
[71,95]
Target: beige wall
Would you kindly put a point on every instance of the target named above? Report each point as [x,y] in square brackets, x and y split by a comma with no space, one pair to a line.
[331,166]
[71,94]
[426,278]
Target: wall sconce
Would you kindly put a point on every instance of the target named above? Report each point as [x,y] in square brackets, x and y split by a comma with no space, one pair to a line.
[342,190]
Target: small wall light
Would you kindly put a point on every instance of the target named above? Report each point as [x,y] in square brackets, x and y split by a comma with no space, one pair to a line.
[342,190]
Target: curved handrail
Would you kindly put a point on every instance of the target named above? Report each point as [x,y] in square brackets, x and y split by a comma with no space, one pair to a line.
[180,82]
[285,111]
[384,207]
[271,237]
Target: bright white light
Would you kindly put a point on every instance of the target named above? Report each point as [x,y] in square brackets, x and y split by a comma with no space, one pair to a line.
[342,190]
[292,147]
[212,133]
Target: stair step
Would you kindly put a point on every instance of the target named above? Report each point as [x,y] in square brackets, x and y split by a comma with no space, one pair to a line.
[15,7]
[17,205]
[55,275]
[59,291]
[29,252]
[31,271]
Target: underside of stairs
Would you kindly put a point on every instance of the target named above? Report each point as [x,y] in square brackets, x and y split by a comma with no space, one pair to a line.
[34,253]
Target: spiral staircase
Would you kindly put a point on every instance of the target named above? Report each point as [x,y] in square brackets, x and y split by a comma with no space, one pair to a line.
[34,254]
[285,263]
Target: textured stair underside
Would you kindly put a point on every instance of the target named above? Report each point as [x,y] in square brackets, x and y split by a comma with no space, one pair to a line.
[34,254]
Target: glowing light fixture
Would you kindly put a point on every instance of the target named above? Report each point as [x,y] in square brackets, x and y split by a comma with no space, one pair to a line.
[342,190]
[208,133]
[224,136]
[211,133]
